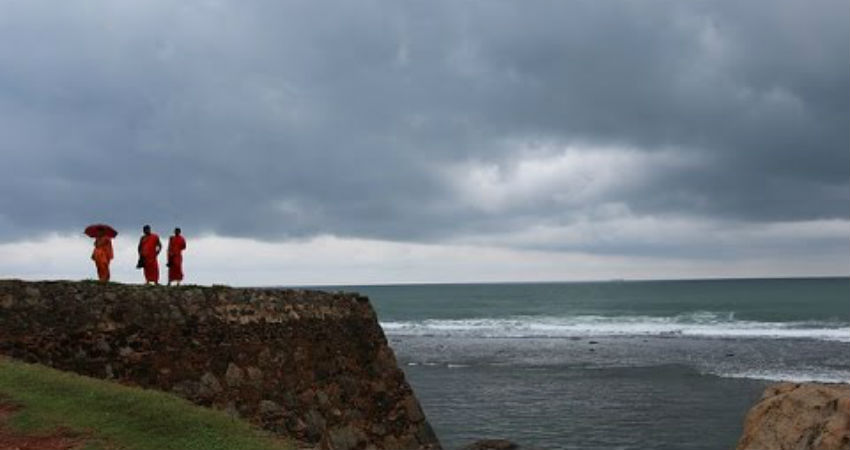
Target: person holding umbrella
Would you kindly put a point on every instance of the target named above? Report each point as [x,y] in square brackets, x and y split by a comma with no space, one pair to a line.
[149,248]
[102,253]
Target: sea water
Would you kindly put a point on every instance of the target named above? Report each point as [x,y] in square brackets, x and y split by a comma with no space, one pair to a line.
[611,365]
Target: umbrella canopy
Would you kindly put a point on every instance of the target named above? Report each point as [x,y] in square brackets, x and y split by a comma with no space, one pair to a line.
[100,229]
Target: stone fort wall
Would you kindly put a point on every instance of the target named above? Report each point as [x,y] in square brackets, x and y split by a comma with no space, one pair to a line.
[309,365]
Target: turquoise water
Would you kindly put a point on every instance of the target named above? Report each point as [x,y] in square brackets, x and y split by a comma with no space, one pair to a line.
[650,364]
[776,300]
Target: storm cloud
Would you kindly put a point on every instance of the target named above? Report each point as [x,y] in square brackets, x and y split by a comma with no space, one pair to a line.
[592,126]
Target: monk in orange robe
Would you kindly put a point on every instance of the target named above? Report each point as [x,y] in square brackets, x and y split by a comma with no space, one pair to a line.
[149,248]
[101,255]
[176,245]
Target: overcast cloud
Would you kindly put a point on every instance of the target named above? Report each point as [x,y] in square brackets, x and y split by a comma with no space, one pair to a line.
[663,129]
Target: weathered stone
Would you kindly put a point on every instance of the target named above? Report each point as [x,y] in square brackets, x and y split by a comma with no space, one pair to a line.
[391,442]
[408,439]
[103,346]
[799,416]
[322,397]
[234,375]
[268,407]
[345,437]
[412,409]
[425,434]
[255,375]
[232,410]
[315,423]
[378,429]
[209,385]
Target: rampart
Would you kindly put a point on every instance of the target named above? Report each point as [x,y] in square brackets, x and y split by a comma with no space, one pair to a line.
[310,365]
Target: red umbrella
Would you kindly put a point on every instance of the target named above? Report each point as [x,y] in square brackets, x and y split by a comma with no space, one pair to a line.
[100,229]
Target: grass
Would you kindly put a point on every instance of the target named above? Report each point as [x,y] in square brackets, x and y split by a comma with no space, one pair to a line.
[114,416]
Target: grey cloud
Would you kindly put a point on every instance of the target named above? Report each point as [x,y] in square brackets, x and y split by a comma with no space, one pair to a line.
[284,120]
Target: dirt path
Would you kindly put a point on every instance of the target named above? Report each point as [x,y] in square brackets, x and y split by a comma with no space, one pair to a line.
[59,439]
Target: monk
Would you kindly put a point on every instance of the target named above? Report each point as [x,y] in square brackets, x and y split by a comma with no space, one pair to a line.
[149,248]
[101,255]
[176,245]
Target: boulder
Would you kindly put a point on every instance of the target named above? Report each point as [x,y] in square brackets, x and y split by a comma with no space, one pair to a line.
[799,416]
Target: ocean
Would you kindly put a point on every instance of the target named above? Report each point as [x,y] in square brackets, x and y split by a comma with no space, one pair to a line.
[610,365]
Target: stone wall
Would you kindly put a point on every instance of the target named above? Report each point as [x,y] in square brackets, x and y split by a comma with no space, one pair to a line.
[306,364]
[799,416]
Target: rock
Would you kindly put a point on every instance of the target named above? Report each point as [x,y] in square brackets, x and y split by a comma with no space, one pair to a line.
[412,409]
[322,397]
[232,410]
[425,434]
[209,385]
[269,408]
[8,301]
[315,423]
[799,416]
[391,442]
[187,389]
[491,444]
[234,375]
[255,375]
[103,346]
[345,437]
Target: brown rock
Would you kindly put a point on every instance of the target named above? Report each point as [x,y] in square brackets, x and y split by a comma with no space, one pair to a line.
[412,409]
[315,423]
[209,385]
[345,437]
[255,375]
[234,375]
[799,416]
[268,407]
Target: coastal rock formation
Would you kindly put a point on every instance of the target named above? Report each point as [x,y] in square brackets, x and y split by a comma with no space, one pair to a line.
[310,365]
[799,416]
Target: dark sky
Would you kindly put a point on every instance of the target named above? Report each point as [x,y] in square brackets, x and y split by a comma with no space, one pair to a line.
[601,127]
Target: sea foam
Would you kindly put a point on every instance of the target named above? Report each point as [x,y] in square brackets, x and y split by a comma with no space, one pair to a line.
[698,324]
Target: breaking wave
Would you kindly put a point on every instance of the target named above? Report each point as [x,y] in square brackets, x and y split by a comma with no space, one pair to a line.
[818,375]
[698,324]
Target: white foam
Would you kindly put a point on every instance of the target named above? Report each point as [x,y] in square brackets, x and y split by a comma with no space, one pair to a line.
[456,366]
[793,376]
[698,324]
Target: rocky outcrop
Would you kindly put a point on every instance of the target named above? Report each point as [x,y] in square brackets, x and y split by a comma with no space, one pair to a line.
[310,365]
[799,416]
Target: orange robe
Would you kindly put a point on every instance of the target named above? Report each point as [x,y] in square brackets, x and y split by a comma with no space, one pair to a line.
[149,247]
[101,255]
[176,245]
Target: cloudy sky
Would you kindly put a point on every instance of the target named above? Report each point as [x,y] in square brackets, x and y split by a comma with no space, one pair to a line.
[304,142]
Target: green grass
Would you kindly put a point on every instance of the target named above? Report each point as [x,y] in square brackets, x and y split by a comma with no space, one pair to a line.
[112,416]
